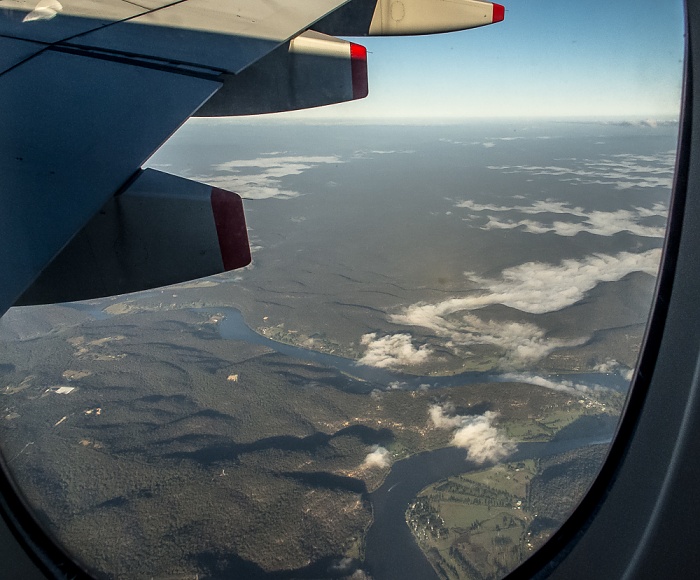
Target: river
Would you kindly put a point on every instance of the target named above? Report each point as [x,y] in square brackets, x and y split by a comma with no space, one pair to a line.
[234,327]
[391,553]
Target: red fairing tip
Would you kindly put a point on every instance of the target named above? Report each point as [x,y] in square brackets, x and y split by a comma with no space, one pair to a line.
[499,13]
[230,228]
[358,60]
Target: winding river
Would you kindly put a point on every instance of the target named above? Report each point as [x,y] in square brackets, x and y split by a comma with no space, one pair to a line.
[234,327]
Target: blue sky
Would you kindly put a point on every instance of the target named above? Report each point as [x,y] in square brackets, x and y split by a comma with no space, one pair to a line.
[548,58]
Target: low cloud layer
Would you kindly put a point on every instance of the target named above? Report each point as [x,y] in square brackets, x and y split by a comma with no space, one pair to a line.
[379,457]
[522,343]
[488,143]
[536,287]
[611,366]
[261,178]
[623,171]
[601,223]
[475,433]
[565,386]
[369,153]
[533,287]
[392,351]
[539,287]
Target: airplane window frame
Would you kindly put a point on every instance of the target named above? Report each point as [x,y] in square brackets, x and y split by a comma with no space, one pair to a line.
[562,547]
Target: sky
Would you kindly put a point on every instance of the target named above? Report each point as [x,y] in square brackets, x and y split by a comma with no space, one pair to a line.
[548,58]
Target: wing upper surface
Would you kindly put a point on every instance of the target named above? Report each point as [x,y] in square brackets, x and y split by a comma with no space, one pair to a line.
[81,112]
[52,21]
[221,35]
[13,51]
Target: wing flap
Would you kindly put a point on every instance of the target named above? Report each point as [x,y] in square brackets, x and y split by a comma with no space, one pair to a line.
[162,230]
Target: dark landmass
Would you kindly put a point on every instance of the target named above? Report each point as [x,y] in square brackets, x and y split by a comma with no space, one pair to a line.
[565,479]
[176,452]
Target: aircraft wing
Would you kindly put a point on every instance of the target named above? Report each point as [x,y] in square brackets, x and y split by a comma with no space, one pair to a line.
[91,88]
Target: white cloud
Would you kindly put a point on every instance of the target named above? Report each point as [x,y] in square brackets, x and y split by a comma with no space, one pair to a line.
[540,206]
[443,416]
[369,153]
[475,433]
[395,386]
[611,366]
[522,343]
[623,171]
[538,287]
[279,166]
[392,351]
[534,287]
[490,141]
[565,386]
[658,209]
[651,123]
[378,457]
[260,178]
[601,223]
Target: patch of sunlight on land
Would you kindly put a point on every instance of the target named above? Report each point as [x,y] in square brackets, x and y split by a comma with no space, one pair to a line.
[475,525]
